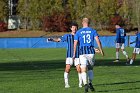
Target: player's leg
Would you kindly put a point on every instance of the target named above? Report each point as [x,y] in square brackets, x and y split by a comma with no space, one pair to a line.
[90,77]
[133,58]
[135,52]
[83,62]
[79,75]
[66,75]
[78,68]
[69,62]
[124,52]
[117,52]
[90,71]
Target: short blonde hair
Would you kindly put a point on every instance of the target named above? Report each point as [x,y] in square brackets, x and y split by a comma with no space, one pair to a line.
[85,20]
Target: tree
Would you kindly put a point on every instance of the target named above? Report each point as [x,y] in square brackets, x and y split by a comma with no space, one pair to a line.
[76,9]
[97,10]
[136,13]
[100,11]
[34,10]
[3,9]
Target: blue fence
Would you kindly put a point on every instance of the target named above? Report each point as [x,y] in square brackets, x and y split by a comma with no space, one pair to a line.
[107,41]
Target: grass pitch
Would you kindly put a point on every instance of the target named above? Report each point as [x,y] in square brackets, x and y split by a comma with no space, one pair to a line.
[41,71]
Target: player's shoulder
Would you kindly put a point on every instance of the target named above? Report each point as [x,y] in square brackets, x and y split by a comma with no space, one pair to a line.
[66,34]
[121,29]
[78,31]
[138,34]
[91,29]
[81,29]
[118,29]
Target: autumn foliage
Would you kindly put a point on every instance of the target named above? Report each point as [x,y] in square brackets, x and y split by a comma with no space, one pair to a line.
[57,22]
[116,19]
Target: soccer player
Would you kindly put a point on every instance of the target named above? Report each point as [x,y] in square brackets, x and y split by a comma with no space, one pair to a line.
[85,37]
[120,40]
[137,47]
[69,38]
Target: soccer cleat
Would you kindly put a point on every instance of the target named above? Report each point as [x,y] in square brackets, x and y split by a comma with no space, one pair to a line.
[116,60]
[128,64]
[67,86]
[86,88]
[91,87]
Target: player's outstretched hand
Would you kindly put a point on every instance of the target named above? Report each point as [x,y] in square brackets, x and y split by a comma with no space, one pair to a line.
[50,39]
[97,50]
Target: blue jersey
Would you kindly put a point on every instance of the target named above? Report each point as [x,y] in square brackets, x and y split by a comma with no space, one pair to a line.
[137,40]
[69,38]
[120,35]
[85,37]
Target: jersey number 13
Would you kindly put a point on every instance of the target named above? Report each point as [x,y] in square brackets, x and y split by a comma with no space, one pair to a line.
[86,38]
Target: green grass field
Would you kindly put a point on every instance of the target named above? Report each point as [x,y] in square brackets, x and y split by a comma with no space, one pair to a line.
[41,71]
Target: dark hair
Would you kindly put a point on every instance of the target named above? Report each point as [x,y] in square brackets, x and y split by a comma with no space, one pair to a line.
[73,24]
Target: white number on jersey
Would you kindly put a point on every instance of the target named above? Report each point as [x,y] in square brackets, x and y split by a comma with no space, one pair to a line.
[87,38]
[122,32]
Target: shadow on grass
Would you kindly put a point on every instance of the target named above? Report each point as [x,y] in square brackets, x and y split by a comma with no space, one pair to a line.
[109,62]
[55,64]
[117,90]
[35,65]
[119,83]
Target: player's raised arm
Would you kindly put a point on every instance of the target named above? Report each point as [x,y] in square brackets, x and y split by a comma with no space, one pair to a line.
[99,45]
[54,39]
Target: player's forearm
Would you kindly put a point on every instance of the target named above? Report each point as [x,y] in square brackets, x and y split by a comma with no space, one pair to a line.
[100,48]
[54,39]
[99,45]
